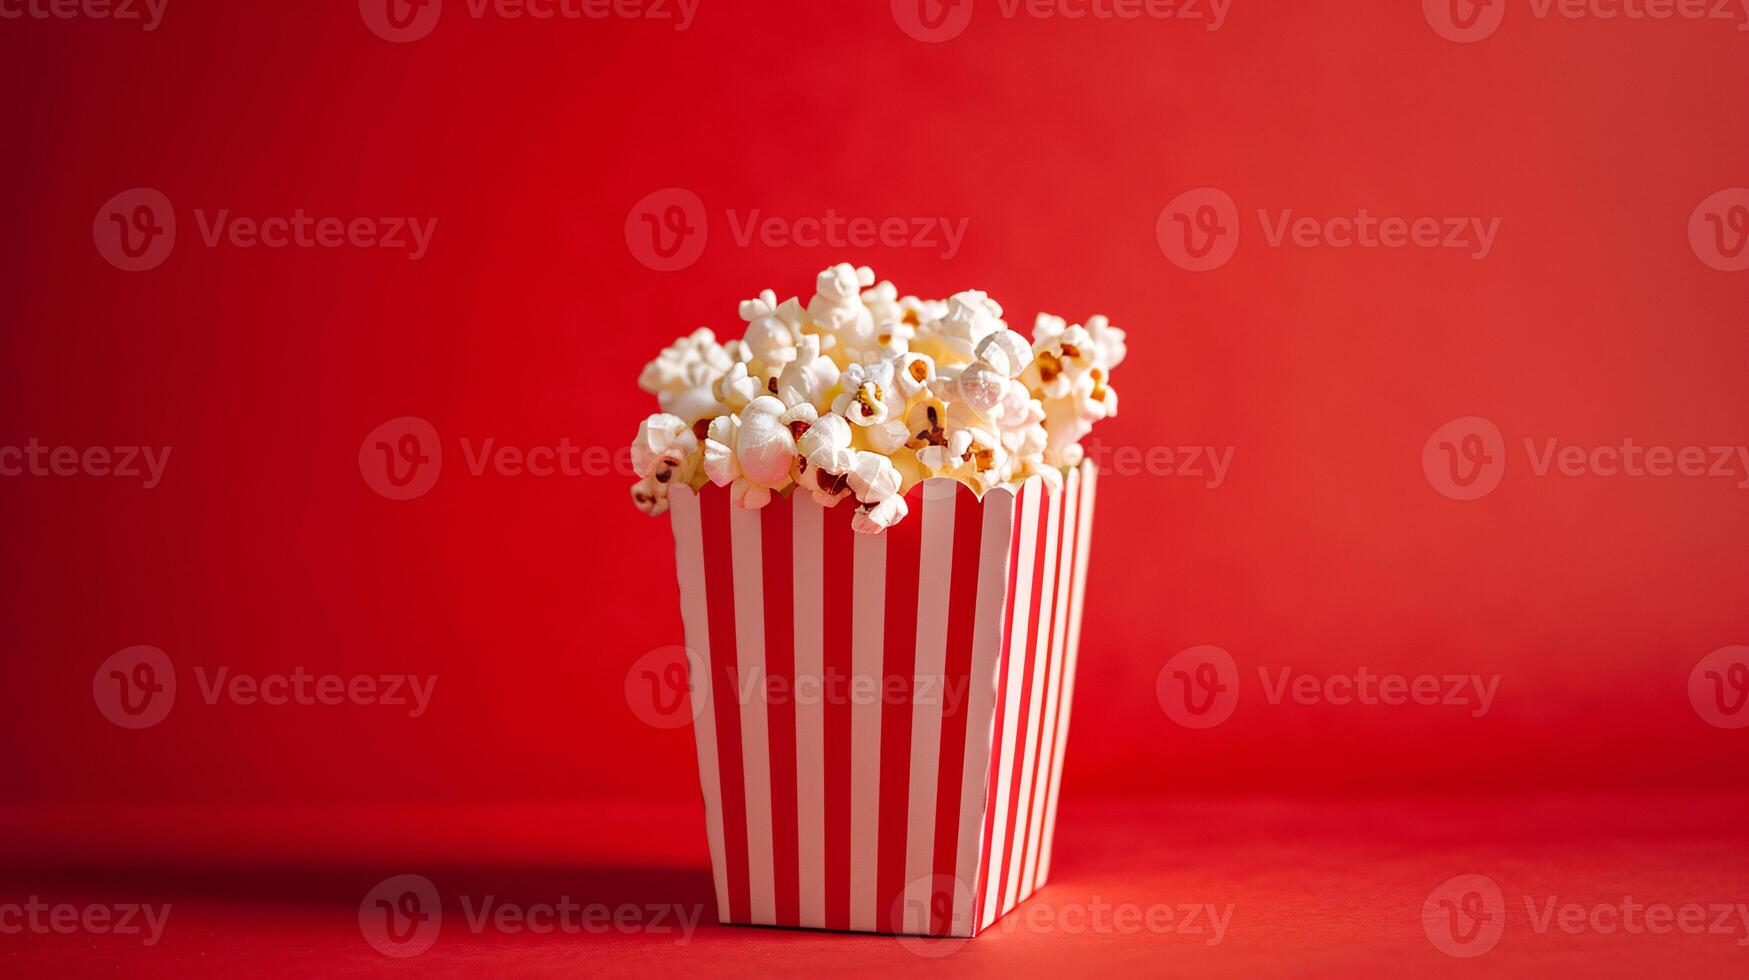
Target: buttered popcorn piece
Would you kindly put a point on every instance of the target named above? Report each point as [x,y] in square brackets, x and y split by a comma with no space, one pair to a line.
[869,393]
[863,393]
[751,452]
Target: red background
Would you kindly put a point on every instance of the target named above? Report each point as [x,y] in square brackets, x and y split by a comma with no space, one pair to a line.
[1325,549]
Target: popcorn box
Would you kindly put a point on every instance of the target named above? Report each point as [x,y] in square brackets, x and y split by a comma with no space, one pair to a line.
[880,718]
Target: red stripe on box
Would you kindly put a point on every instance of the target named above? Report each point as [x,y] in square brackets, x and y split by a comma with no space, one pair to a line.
[725,677]
[839,591]
[1041,543]
[984,869]
[1041,760]
[962,611]
[899,664]
[780,661]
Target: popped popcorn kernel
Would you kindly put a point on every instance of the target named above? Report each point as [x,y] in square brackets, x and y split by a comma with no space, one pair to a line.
[863,393]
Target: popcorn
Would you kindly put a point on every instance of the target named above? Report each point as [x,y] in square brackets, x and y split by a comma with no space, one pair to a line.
[869,393]
[1005,351]
[680,377]
[773,330]
[837,310]
[750,453]
[665,452]
[864,393]
[810,377]
[971,316]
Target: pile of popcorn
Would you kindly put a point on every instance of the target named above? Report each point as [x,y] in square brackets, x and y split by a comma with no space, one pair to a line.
[862,394]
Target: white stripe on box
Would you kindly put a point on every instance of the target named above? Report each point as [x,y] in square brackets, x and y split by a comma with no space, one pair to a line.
[1078,591]
[750,690]
[1041,792]
[1035,707]
[1022,600]
[934,582]
[867,655]
[694,615]
[994,547]
[809,545]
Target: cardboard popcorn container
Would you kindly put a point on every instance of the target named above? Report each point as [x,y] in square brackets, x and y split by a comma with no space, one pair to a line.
[880,718]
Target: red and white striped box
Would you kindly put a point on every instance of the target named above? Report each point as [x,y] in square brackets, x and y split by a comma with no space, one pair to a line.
[880,718]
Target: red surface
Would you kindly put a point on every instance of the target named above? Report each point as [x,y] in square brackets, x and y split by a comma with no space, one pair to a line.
[1326,548]
[1304,889]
